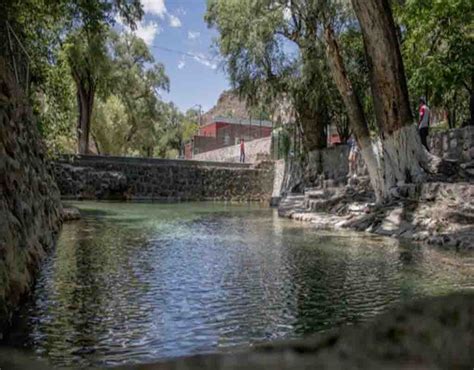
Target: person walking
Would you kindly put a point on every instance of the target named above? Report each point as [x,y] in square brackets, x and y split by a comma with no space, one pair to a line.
[242,151]
[424,122]
[353,156]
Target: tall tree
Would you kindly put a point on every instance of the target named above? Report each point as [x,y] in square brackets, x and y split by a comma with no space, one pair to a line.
[355,111]
[90,65]
[392,150]
[404,159]
[81,27]
[260,68]
[135,81]
[438,50]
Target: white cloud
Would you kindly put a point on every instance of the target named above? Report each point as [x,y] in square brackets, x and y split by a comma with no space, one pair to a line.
[174,21]
[181,11]
[158,8]
[193,35]
[181,64]
[204,60]
[147,31]
[155,7]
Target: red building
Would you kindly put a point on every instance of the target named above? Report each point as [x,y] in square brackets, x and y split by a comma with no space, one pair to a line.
[222,132]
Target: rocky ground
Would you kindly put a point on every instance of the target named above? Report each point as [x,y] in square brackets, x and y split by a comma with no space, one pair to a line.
[436,212]
[436,333]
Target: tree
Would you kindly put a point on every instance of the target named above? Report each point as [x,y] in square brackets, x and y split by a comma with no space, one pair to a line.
[55,106]
[437,48]
[129,120]
[260,69]
[137,80]
[404,159]
[44,25]
[255,55]
[355,111]
[89,65]
[394,156]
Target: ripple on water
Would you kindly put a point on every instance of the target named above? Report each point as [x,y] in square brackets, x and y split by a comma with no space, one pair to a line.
[138,282]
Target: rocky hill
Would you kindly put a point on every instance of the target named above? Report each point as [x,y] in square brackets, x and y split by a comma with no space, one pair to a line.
[228,105]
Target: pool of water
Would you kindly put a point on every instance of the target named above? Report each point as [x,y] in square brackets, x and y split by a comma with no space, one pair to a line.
[137,282]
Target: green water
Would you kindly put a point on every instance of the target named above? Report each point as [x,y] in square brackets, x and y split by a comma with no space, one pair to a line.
[141,282]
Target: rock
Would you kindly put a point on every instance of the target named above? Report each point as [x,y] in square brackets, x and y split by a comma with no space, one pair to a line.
[70,214]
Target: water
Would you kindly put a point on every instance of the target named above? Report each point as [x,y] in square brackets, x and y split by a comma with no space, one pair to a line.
[140,282]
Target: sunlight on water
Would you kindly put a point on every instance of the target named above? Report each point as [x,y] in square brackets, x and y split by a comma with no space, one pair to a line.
[139,282]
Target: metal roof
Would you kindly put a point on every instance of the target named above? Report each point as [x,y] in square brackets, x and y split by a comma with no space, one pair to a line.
[241,121]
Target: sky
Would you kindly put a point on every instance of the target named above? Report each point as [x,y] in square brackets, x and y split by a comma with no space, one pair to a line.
[179,38]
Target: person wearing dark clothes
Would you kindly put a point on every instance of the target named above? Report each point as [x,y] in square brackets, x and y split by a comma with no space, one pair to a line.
[424,122]
[242,151]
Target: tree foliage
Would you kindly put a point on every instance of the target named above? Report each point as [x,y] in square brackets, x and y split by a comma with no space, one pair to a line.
[275,56]
[438,48]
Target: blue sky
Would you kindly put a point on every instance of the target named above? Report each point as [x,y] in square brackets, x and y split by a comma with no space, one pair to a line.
[196,77]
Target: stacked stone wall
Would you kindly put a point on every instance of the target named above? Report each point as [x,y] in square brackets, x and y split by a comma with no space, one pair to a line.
[94,177]
[333,164]
[29,198]
[455,144]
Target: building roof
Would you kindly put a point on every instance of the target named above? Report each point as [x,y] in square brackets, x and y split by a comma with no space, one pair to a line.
[240,121]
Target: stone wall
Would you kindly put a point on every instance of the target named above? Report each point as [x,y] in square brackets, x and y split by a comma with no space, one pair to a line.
[254,150]
[327,164]
[333,164]
[456,144]
[95,177]
[29,199]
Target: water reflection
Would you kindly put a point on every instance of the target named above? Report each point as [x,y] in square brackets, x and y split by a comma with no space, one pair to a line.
[136,282]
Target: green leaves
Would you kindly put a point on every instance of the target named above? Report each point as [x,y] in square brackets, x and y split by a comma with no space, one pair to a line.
[438,49]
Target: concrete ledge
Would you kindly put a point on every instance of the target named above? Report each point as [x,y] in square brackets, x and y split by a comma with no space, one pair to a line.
[88,160]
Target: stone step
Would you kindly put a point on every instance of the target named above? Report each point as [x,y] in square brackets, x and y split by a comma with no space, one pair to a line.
[467,165]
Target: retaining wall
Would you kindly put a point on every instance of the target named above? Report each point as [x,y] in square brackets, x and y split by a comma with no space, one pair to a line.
[96,177]
[456,144]
[29,199]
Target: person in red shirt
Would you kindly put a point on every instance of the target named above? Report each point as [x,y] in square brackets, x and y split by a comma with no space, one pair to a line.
[242,151]
[424,122]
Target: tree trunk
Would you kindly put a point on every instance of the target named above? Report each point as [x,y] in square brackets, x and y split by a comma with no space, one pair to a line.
[85,100]
[314,132]
[356,115]
[404,158]
[471,107]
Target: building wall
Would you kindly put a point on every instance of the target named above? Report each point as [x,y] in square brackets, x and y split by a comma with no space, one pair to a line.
[209,130]
[218,135]
[254,150]
[93,177]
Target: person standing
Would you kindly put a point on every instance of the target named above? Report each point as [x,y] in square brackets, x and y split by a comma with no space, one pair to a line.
[424,122]
[353,156]
[242,151]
